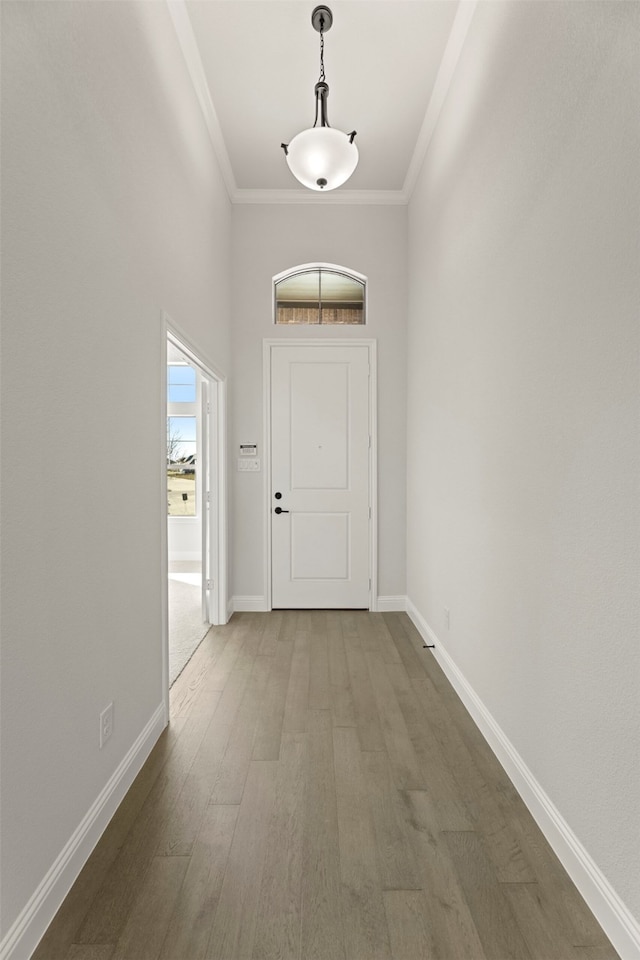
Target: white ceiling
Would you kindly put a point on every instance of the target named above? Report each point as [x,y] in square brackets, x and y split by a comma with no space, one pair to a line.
[254,64]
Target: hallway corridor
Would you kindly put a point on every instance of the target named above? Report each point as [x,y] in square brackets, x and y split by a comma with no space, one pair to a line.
[321,794]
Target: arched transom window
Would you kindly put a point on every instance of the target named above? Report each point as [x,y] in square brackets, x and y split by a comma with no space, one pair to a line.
[319,293]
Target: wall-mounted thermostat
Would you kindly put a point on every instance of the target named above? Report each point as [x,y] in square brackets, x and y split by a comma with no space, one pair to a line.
[248,449]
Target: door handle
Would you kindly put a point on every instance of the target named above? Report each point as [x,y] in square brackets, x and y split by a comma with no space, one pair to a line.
[280,510]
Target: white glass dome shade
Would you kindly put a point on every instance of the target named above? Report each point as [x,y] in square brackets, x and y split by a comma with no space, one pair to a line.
[322,158]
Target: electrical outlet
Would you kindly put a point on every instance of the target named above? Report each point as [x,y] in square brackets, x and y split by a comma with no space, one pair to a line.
[446,617]
[106,724]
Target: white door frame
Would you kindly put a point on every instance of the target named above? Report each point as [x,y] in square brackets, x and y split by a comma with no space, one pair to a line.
[217,450]
[267,346]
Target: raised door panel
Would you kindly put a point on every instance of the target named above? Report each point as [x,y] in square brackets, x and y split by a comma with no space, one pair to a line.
[319,441]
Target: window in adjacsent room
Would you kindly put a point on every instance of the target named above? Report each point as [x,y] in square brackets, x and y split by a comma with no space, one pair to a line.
[319,295]
[181,439]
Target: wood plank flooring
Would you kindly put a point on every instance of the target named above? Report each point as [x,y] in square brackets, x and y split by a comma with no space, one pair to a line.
[321,794]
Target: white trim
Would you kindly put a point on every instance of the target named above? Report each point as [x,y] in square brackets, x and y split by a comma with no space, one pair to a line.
[189,46]
[205,488]
[391,605]
[255,604]
[184,556]
[319,265]
[352,197]
[266,474]
[611,913]
[185,344]
[164,525]
[372,345]
[373,466]
[221,503]
[446,71]
[24,935]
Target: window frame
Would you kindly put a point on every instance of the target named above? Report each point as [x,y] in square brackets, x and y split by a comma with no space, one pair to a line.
[310,268]
[189,366]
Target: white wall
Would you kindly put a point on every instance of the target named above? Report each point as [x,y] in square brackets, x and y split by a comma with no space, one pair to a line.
[523,401]
[267,240]
[184,538]
[113,210]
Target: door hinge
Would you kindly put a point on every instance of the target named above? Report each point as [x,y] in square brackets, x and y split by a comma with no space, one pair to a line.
[208,496]
[209,584]
[370,513]
[369,441]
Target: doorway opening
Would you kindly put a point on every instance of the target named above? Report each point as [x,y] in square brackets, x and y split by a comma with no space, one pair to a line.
[187,471]
[193,464]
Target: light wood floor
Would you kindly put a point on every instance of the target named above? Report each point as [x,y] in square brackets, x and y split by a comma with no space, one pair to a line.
[321,794]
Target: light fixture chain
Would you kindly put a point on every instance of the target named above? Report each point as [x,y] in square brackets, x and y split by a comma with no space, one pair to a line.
[322,77]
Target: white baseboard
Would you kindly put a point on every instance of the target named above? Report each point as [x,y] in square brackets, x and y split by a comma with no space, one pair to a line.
[185,556]
[249,604]
[611,913]
[258,604]
[24,935]
[390,605]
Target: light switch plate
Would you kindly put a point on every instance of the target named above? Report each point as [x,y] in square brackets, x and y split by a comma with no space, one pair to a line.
[248,466]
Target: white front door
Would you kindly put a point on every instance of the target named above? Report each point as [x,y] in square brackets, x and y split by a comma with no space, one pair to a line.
[320,483]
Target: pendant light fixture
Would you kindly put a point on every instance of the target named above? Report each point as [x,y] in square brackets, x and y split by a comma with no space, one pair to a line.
[321,157]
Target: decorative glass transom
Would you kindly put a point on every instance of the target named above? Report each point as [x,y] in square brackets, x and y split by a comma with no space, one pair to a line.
[319,294]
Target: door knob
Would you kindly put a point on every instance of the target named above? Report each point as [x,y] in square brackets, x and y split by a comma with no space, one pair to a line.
[280,510]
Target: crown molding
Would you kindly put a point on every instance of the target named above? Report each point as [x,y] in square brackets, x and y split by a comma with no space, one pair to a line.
[380,197]
[444,78]
[189,46]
